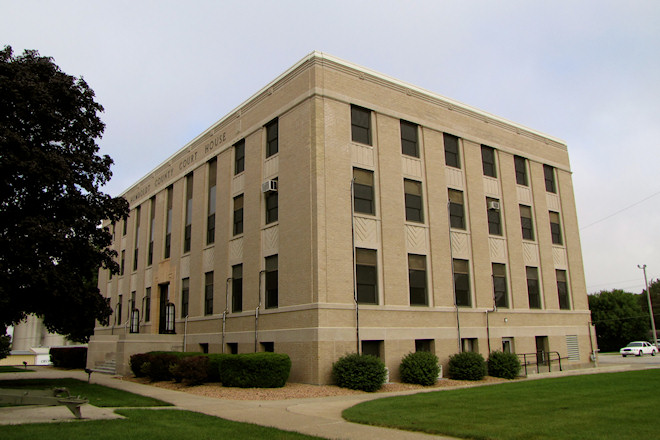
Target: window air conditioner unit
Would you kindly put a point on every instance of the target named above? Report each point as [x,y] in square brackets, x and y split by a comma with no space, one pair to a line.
[269,186]
[494,205]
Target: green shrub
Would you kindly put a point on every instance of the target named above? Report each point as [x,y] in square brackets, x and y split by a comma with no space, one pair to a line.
[215,365]
[505,365]
[136,361]
[69,357]
[420,368]
[255,370]
[359,372]
[191,370]
[157,368]
[467,366]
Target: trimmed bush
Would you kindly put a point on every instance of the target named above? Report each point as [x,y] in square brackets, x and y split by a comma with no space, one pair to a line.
[505,365]
[69,357]
[359,372]
[191,370]
[420,367]
[255,370]
[467,366]
[215,365]
[136,362]
[157,367]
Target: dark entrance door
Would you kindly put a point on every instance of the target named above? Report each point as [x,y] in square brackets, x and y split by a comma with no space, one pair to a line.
[541,350]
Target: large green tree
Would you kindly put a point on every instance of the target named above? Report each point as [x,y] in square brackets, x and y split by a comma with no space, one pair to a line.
[654,288]
[619,319]
[51,204]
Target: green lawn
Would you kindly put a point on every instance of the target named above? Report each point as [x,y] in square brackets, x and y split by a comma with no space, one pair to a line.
[10,369]
[616,406]
[144,424]
[97,395]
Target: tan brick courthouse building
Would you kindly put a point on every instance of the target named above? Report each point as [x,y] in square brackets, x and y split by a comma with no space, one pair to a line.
[339,209]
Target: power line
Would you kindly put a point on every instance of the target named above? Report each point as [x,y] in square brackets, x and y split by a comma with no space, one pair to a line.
[620,211]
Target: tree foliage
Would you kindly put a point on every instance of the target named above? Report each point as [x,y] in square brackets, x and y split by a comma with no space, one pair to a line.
[654,288]
[619,319]
[51,205]
[5,346]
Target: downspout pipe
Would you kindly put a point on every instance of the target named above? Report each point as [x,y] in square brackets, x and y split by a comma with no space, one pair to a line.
[256,313]
[225,312]
[355,296]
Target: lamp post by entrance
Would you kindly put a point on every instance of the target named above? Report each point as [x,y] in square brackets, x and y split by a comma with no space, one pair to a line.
[648,297]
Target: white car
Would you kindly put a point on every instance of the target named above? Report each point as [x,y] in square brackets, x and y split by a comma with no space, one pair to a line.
[638,348]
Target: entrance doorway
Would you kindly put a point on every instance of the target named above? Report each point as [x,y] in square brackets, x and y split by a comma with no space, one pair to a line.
[542,349]
[166,309]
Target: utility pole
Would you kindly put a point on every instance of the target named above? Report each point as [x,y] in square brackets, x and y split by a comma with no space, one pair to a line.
[648,297]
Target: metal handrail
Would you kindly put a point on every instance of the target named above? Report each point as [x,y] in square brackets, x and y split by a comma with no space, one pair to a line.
[546,357]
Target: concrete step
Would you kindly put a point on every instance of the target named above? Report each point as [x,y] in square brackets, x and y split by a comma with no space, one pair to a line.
[107,367]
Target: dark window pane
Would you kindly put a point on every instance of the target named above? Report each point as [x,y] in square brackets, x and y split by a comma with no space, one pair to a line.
[549,175]
[452,157]
[361,125]
[521,170]
[409,145]
[272,141]
[239,157]
[488,161]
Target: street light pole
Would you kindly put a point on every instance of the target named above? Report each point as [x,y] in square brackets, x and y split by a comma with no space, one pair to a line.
[648,297]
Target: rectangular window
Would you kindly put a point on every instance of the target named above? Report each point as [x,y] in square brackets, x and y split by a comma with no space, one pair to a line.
[233,347]
[152,227]
[507,345]
[488,161]
[168,222]
[456,209]
[409,144]
[424,345]
[238,215]
[562,290]
[271,206]
[147,305]
[272,298]
[208,293]
[272,138]
[462,283]
[521,170]
[417,280]
[237,288]
[239,157]
[533,292]
[187,235]
[363,191]
[366,275]
[121,263]
[124,227]
[549,175]
[470,344]
[210,219]
[494,218]
[526,222]
[413,199]
[268,347]
[452,157]
[499,286]
[120,301]
[136,244]
[372,348]
[555,228]
[360,125]
[185,296]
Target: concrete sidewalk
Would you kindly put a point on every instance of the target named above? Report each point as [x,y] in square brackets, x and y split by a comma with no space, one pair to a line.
[313,416]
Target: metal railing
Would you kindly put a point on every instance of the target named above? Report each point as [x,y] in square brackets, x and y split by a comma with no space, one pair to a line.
[541,359]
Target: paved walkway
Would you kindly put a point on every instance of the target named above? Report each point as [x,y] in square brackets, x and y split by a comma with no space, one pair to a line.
[313,416]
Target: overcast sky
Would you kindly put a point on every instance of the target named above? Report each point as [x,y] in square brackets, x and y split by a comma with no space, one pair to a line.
[587,72]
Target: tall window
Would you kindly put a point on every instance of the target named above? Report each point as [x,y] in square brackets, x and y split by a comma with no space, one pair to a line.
[409,144]
[413,196]
[462,283]
[271,206]
[533,292]
[238,215]
[121,263]
[562,290]
[210,219]
[185,296]
[168,222]
[363,191]
[239,157]
[208,293]
[237,288]
[272,299]
[417,280]
[555,228]
[526,222]
[120,301]
[499,286]
[452,157]
[456,209]
[272,138]
[521,170]
[366,275]
[147,305]
[187,234]
[494,218]
[152,227]
[360,125]
[136,243]
[549,175]
[488,161]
